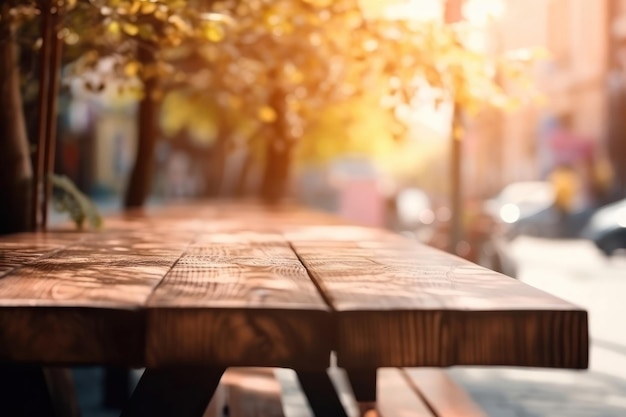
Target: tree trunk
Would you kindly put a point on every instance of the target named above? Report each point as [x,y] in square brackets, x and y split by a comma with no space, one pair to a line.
[456,182]
[214,170]
[140,180]
[241,185]
[16,174]
[276,172]
[278,153]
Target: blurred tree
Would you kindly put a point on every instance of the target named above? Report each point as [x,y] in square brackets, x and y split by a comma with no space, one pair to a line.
[15,164]
[148,39]
[304,79]
[285,62]
[267,81]
[140,34]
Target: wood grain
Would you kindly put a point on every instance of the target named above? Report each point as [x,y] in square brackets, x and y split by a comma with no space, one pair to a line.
[83,303]
[399,303]
[220,284]
[21,249]
[238,304]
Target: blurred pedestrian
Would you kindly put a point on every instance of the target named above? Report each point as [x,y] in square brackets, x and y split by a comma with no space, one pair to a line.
[565,183]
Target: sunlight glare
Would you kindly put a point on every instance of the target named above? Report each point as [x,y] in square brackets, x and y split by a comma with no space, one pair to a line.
[404,9]
[479,12]
[509,213]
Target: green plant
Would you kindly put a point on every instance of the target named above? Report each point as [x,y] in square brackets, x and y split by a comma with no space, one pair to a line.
[67,198]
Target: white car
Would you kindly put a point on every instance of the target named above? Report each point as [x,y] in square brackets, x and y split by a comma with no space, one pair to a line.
[607,228]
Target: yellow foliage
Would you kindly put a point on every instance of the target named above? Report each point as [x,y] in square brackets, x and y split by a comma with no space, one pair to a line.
[114,27]
[173,113]
[130,28]
[213,31]
[320,3]
[194,114]
[266,114]
[148,7]
[131,68]
[354,127]
[331,66]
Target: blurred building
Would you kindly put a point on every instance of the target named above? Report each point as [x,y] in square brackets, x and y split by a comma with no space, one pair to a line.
[511,147]
[616,95]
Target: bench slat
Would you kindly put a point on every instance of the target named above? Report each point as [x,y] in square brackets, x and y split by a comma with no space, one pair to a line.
[442,394]
[448,311]
[396,397]
[404,392]
[246,392]
[245,304]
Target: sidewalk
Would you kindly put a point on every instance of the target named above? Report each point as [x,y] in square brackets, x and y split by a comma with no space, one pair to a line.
[538,393]
[576,271]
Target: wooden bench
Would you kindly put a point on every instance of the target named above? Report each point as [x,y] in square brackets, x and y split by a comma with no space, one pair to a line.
[190,291]
[408,392]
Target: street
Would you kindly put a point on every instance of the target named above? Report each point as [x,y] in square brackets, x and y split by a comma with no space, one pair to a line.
[575,271]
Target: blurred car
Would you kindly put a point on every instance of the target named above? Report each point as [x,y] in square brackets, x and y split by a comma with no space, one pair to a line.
[521,208]
[607,228]
[525,208]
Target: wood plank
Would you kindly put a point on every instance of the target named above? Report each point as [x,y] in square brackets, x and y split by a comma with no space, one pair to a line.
[442,394]
[396,398]
[245,304]
[399,303]
[81,298]
[294,402]
[82,304]
[20,249]
[250,392]
[277,392]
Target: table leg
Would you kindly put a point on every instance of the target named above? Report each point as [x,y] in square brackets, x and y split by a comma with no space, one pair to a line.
[363,382]
[33,391]
[174,392]
[116,387]
[321,393]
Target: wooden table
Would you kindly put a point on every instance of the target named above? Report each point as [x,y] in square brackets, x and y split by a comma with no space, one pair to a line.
[190,290]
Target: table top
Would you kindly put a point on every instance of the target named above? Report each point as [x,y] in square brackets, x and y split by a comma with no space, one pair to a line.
[241,284]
